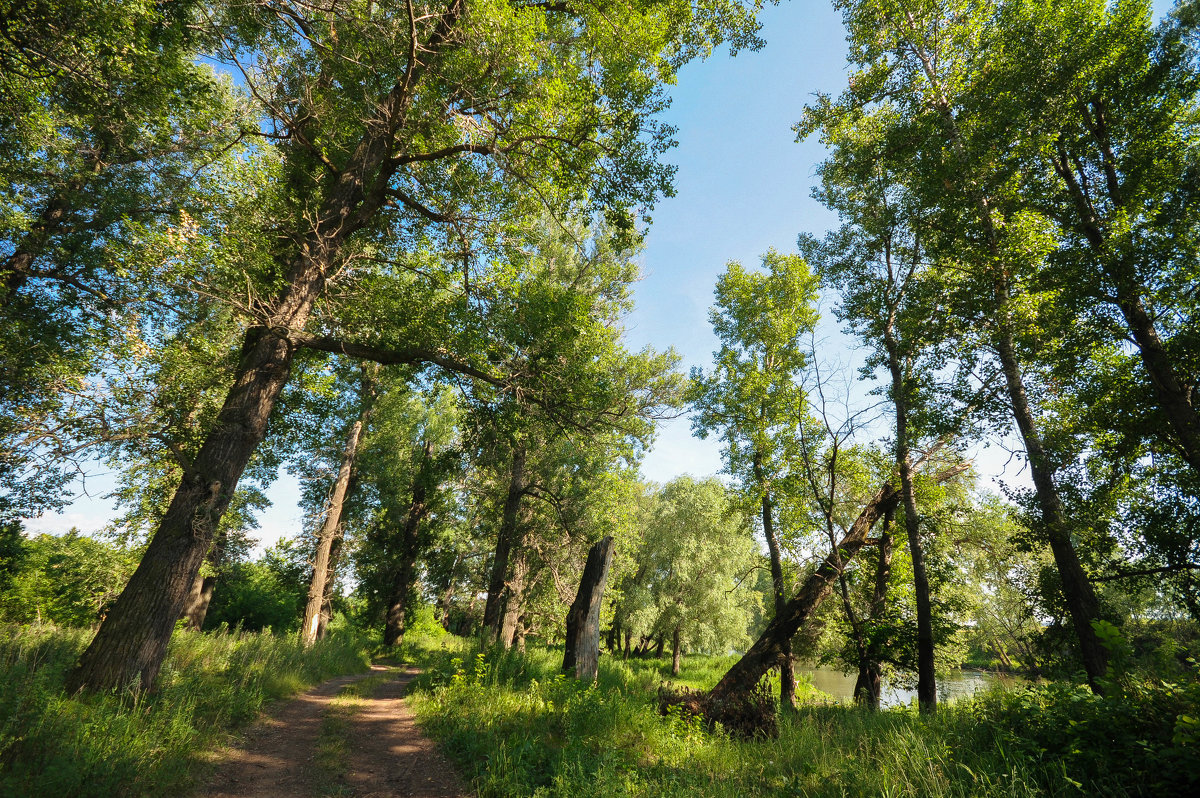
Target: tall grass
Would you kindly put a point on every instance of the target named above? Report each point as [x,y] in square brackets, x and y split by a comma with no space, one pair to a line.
[518,727]
[145,743]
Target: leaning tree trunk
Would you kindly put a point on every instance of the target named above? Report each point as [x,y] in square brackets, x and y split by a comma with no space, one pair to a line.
[331,528]
[131,643]
[582,650]
[1077,590]
[507,537]
[869,685]
[787,665]
[926,678]
[1129,295]
[393,631]
[335,552]
[768,650]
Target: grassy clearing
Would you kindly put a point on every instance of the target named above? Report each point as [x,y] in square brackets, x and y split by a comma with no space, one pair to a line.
[517,727]
[143,744]
[333,745]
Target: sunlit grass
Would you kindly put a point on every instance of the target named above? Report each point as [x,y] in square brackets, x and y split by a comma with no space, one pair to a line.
[52,744]
[518,727]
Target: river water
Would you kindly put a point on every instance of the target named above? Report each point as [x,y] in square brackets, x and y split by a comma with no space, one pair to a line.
[951,685]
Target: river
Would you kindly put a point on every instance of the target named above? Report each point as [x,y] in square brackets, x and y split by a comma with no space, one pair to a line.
[951,685]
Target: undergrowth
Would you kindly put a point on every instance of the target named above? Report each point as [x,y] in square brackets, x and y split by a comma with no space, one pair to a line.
[144,743]
[518,727]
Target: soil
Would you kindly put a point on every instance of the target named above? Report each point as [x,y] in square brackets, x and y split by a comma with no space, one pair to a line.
[388,754]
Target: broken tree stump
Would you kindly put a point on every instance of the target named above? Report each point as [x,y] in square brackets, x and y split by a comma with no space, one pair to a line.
[583,619]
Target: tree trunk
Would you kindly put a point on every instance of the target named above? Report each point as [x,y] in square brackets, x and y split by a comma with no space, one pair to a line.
[508,536]
[331,528]
[514,594]
[335,552]
[1077,590]
[132,641]
[926,678]
[418,508]
[787,666]
[628,642]
[775,640]
[676,653]
[869,686]
[582,650]
[198,600]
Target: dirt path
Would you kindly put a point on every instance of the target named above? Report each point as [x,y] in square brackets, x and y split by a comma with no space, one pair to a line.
[386,754]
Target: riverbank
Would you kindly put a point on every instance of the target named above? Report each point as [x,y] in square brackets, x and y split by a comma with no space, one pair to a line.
[517,727]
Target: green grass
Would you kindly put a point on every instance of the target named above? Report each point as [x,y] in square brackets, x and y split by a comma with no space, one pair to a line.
[143,744]
[517,727]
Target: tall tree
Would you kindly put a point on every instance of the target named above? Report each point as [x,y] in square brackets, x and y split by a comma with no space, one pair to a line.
[753,397]
[914,62]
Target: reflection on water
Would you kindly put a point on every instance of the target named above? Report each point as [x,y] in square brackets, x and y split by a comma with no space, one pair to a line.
[951,685]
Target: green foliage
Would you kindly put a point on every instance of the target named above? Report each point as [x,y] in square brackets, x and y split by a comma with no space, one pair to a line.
[66,579]
[144,744]
[691,569]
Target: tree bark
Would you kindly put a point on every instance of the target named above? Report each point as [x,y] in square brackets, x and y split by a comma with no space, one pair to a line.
[926,678]
[418,507]
[335,551]
[331,528]
[507,537]
[131,643]
[198,600]
[514,594]
[676,653]
[787,666]
[1077,590]
[582,650]
[768,650]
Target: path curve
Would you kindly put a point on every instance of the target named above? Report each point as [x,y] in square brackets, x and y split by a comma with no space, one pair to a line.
[388,754]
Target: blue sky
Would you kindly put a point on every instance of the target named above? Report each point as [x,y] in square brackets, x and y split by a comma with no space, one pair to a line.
[742,187]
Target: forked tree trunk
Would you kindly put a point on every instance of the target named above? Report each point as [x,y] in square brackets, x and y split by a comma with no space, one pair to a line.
[198,601]
[768,650]
[582,650]
[869,686]
[418,508]
[508,537]
[330,529]
[335,553]
[787,665]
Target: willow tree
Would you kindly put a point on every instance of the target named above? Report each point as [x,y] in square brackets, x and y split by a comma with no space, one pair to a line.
[753,398]
[390,130]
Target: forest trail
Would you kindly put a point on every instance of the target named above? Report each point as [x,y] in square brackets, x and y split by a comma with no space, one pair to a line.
[367,747]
